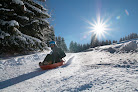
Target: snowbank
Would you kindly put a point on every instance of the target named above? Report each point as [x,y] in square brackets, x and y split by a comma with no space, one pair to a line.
[127,46]
[131,45]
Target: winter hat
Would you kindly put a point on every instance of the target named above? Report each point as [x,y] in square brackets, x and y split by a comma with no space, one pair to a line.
[52,42]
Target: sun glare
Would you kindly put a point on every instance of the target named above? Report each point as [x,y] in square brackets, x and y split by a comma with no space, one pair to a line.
[99,27]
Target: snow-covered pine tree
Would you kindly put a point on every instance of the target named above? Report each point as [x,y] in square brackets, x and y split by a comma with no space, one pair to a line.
[58,41]
[110,42]
[23,26]
[114,41]
[75,49]
[94,41]
[123,38]
[63,45]
[71,46]
[120,40]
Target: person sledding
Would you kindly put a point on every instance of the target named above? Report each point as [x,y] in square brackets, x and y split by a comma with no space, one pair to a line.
[55,55]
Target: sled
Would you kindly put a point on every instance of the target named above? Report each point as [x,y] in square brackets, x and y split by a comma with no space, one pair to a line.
[51,66]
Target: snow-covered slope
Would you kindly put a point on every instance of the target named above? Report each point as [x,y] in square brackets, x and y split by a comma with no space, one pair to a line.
[93,71]
[124,46]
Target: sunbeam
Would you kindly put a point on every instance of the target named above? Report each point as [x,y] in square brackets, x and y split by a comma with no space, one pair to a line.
[99,27]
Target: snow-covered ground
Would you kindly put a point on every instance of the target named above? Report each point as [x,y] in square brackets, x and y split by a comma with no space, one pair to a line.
[112,68]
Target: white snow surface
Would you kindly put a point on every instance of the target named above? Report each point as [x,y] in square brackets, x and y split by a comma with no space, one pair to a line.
[92,71]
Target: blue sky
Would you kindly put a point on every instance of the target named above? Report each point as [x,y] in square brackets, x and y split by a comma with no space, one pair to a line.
[71,16]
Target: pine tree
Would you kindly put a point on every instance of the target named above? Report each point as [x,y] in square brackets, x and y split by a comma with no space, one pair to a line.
[103,43]
[58,41]
[93,40]
[106,43]
[79,48]
[120,40]
[126,38]
[71,48]
[123,39]
[110,42]
[75,49]
[135,35]
[88,46]
[114,41]
[23,26]
[63,45]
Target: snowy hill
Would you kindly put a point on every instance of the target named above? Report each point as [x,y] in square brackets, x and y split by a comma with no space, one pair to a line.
[124,46]
[97,70]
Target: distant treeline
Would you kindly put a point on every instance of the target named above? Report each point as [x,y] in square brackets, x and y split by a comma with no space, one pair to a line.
[129,37]
[75,47]
[61,43]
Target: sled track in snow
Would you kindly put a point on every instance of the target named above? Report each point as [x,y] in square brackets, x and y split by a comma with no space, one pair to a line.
[113,65]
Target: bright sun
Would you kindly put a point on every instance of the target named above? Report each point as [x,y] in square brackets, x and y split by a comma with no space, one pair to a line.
[99,27]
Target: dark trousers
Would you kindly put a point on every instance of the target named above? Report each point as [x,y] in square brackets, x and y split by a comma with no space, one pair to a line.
[48,58]
[52,58]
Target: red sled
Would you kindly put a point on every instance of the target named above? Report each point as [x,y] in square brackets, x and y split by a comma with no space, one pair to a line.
[51,66]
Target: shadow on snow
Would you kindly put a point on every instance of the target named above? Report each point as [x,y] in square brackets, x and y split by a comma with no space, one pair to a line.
[20,78]
[30,75]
